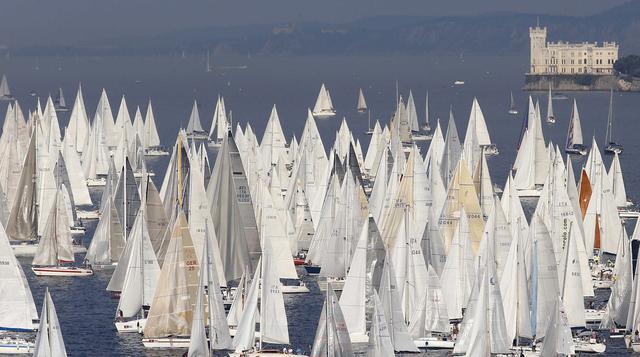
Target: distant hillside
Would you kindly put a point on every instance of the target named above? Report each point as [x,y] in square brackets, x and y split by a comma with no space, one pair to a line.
[501,33]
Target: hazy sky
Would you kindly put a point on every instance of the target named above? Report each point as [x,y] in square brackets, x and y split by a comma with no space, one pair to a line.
[28,22]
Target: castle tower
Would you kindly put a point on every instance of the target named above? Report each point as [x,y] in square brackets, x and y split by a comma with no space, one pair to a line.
[538,40]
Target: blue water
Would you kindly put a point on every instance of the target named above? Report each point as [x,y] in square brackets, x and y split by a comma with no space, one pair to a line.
[86,310]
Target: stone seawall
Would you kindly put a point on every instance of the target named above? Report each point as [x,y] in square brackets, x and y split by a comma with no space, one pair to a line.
[580,82]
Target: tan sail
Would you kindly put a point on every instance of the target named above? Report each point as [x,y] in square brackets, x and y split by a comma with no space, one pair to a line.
[171,312]
[462,194]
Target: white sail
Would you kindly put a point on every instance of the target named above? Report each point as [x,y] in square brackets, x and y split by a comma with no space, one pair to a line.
[483,330]
[77,179]
[273,141]
[17,310]
[23,220]
[55,244]
[232,212]
[354,293]
[515,291]
[574,135]
[78,129]
[150,137]
[323,106]
[107,125]
[273,318]
[5,92]
[558,339]
[458,274]
[617,182]
[545,286]
[172,308]
[141,272]
[362,103]
[618,305]
[412,113]
[49,341]
[391,303]
[572,285]
[245,334]
[194,126]
[95,158]
[198,344]
[332,335]
[108,242]
[380,344]
[219,123]
[218,329]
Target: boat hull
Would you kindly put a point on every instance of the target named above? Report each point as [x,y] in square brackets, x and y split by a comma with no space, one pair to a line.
[97,182]
[84,214]
[312,269]
[169,342]
[130,326]
[434,343]
[15,346]
[264,354]
[156,152]
[61,271]
[529,193]
[324,114]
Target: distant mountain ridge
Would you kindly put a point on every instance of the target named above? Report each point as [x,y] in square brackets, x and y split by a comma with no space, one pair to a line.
[492,33]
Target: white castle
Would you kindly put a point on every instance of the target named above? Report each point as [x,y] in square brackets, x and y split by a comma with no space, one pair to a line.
[569,58]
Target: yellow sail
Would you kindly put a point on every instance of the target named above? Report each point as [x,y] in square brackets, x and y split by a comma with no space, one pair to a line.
[462,194]
[171,312]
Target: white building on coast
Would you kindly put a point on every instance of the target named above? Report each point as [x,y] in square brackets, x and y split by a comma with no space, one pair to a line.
[569,58]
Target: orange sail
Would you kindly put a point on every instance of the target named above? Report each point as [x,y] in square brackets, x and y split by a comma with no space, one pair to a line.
[585,192]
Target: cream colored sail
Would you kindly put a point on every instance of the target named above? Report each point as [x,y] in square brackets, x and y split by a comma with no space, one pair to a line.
[171,312]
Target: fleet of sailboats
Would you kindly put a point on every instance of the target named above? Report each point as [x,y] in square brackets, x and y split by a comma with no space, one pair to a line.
[426,254]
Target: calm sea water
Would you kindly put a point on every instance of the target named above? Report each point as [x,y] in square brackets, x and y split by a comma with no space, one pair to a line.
[86,310]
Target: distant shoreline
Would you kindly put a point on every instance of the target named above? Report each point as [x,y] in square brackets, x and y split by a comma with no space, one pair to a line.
[580,82]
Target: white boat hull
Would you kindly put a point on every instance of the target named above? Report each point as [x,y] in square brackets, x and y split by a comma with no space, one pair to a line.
[589,347]
[529,193]
[421,137]
[130,326]
[83,214]
[29,250]
[14,346]
[631,346]
[434,343]
[156,152]
[337,285]
[61,271]
[97,182]
[264,354]
[325,114]
[169,342]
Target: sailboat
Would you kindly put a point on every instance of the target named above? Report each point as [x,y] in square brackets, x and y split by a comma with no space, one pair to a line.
[362,103]
[610,146]
[332,335]
[170,317]
[512,106]
[194,127]
[219,336]
[550,117]
[17,310]
[140,279]
[574,144]
[427,126]
[324,107]
[219,124]
[49,341]
[60,103]
[274,328]
[5,92]
[150,137]
[55,247]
